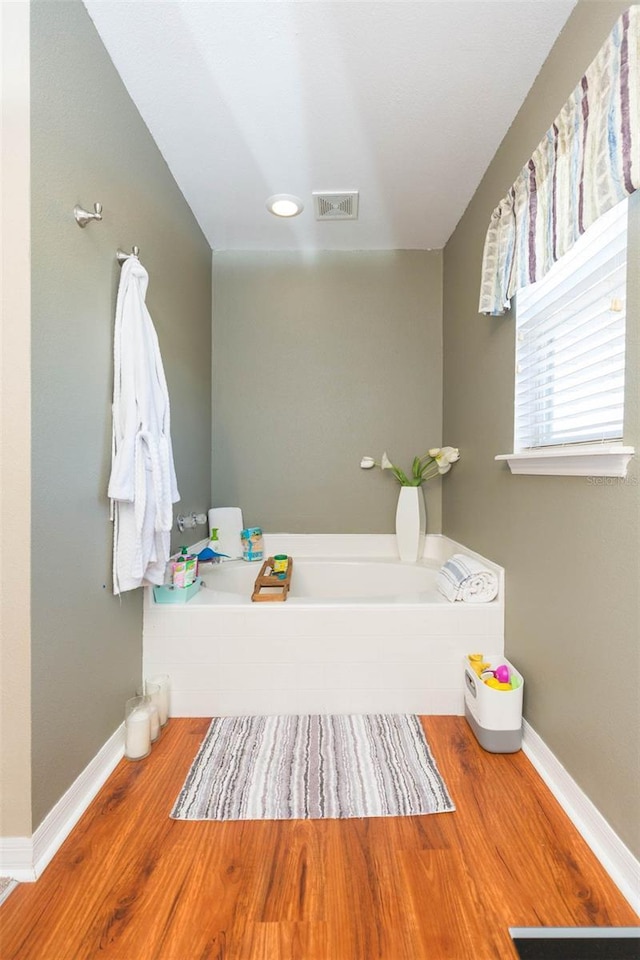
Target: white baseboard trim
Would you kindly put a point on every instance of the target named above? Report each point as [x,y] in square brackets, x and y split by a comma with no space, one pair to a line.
[16,858]
[24,858]
[615,857]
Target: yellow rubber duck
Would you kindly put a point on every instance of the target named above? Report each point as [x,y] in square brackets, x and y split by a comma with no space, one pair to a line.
[477,663]
[496,685]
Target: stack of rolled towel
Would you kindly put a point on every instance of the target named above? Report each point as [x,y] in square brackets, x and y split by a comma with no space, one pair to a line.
[465,578]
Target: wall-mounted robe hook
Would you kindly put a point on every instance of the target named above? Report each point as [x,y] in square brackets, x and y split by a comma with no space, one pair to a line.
[83,217]
[122,256]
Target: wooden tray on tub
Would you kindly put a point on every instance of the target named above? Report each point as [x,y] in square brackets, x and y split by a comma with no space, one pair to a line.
[269,586]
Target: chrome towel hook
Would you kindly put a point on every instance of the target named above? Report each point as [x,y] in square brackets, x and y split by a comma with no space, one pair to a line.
[122,256]
[83,217]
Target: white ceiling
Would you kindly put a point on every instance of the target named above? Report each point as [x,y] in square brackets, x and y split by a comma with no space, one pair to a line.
[406,102]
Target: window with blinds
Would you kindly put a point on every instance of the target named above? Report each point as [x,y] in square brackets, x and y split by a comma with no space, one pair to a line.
[570,342]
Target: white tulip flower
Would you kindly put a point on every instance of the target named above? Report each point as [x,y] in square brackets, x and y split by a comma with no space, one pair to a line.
[452,454]
[446,457]
[437,461]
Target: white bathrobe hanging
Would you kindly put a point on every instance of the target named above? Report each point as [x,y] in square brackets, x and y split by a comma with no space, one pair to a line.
[142,485]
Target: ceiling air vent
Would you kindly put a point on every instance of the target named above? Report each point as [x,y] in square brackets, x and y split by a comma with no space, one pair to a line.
[336,206]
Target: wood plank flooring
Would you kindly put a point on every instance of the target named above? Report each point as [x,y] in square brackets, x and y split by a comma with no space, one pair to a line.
[131,884]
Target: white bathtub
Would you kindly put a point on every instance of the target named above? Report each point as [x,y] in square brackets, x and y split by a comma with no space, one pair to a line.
[367,580]
[361,632]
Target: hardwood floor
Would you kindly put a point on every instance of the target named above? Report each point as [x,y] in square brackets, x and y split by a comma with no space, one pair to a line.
[129,883]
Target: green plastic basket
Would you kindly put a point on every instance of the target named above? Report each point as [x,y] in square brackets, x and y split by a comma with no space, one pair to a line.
[167,593]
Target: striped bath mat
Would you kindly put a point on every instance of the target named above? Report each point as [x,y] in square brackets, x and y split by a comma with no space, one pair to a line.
[312,767]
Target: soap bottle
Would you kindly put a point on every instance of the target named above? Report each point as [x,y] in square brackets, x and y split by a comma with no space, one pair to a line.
[178,570]
[210,554]
[192,566]
[185,569]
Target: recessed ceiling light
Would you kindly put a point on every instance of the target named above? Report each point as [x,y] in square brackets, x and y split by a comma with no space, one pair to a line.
[284,205]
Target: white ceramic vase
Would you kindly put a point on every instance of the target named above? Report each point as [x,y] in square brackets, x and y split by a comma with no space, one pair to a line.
[411,524]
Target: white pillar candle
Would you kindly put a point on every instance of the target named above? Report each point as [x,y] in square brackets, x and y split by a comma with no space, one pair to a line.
[137,741]
[162,680]
[154,719]
[152,692]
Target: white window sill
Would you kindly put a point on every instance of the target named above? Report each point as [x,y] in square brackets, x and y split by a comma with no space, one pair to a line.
[599,461]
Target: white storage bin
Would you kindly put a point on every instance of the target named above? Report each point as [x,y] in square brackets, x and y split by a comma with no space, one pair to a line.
[495,716]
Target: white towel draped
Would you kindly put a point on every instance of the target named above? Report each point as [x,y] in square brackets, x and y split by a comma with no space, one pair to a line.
[465,578]
[142,485]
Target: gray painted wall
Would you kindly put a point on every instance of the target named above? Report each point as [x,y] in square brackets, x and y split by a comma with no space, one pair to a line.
[89,143]
[570,546]
[317,360]
[15,424]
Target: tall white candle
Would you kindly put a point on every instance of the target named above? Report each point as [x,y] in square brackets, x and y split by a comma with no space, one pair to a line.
[154,718]
[137,743]
[163,702]
[152,692]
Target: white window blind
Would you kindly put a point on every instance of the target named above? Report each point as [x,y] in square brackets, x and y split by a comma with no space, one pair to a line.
[570,342]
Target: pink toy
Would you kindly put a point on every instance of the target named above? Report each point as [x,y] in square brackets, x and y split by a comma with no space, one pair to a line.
[501,673]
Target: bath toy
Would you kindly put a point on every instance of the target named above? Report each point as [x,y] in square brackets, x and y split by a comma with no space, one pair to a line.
[501,673]
[497,685]
[209,555]
[477,663]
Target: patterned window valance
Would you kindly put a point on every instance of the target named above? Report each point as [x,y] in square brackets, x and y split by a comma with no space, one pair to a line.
[587,162]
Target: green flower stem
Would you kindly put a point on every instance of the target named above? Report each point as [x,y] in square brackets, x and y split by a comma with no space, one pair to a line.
[401,476]
[422,470]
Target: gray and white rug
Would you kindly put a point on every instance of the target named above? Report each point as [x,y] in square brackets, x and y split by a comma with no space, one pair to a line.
[313,767]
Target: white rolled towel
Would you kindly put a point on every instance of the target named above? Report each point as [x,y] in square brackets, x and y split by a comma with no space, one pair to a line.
[465,578]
